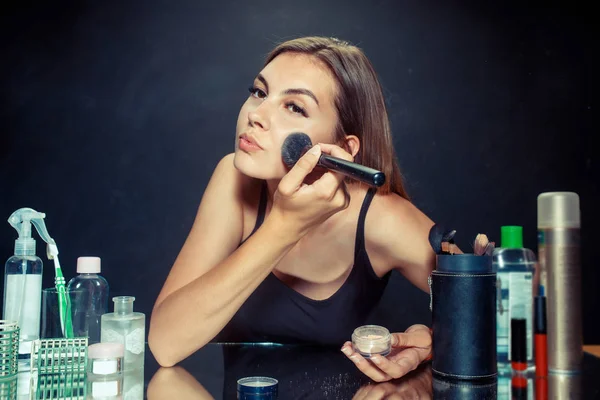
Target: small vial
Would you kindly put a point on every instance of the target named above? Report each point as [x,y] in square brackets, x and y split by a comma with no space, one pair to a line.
[369,340]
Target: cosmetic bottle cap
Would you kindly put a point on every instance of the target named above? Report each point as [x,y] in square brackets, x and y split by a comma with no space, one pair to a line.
[539,322]
[88,265]
[511,237]
[518,341]
[558,210]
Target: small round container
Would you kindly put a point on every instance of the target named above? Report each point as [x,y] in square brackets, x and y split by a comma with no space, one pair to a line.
[105,358]
[257,387]
[369,340]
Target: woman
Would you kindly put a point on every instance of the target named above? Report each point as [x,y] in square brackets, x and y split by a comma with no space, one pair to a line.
[293,255]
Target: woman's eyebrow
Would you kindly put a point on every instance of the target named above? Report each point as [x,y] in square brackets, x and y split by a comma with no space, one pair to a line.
[264,81]
[305,92]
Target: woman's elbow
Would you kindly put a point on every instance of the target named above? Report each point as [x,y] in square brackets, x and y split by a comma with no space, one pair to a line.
[161,353]
[166,349]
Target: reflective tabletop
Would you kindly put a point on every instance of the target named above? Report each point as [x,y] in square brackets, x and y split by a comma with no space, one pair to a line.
[311,372]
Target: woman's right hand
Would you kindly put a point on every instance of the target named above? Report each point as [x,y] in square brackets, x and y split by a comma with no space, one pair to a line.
[300,205]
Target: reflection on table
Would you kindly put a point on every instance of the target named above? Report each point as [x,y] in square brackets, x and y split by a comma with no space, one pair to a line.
[310,372]
[66,386]
[302,371]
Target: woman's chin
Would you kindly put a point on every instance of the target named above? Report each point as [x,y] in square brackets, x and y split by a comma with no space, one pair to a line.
[252,168]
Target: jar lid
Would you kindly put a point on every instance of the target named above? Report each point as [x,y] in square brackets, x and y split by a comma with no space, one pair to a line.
[106,350]
[255,385]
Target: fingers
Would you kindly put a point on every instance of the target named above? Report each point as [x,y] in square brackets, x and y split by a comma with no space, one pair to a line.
[364,365]
[336,151]
[415,345]
[416,338]
[397,367]
[331,180]
[294,178]
[375,392]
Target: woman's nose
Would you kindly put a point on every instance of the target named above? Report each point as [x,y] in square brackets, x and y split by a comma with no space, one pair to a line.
[258,117]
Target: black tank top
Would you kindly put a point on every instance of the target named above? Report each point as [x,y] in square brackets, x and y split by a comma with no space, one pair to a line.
[274,312]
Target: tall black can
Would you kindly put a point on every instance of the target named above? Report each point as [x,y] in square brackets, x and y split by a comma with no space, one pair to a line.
[463,300]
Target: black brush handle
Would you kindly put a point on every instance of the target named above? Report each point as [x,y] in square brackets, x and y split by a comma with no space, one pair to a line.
[356,171]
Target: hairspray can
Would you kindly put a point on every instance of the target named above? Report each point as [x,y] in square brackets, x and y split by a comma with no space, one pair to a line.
[559,253]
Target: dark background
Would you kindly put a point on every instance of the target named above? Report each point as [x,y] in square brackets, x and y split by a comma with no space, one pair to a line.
[113,115]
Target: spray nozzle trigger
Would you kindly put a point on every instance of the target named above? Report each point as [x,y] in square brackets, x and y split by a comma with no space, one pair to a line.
[21,220]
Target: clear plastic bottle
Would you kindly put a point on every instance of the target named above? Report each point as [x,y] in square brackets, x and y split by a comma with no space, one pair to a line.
[93,301]
[23,282]
[515,268]
[23,297]
[126,327]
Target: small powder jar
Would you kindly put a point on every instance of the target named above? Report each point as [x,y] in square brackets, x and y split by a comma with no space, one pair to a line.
[369,340]
[105,367]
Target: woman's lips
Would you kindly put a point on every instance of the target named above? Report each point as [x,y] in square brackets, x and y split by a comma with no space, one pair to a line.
[248,144]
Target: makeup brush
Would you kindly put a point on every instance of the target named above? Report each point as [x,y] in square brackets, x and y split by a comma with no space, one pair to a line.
[296,144]
[483,246]
[439,235]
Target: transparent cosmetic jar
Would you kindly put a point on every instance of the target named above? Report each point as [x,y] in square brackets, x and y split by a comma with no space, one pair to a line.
[369,340]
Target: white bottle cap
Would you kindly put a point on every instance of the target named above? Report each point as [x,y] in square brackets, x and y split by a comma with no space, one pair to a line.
[88,265]
[558,210]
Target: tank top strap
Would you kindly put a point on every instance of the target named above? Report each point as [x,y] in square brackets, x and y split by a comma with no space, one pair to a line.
[359,243]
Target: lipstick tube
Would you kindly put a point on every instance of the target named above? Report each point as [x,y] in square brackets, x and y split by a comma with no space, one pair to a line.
[540,337]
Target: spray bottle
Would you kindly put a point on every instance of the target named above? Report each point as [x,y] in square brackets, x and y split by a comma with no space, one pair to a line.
[23,279]
[23,282]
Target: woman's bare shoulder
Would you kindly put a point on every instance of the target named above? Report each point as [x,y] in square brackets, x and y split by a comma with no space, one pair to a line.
[397,233]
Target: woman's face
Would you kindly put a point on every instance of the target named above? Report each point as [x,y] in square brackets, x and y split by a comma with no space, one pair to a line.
[293,93]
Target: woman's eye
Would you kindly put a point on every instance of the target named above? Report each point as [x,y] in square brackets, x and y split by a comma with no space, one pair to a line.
[296,109]
[256,92]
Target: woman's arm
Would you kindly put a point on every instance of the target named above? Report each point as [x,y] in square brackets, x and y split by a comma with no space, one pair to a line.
[211,277]
[397,237]
[176,383]
[198,299]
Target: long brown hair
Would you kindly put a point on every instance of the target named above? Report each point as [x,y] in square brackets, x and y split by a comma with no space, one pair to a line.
[360,103]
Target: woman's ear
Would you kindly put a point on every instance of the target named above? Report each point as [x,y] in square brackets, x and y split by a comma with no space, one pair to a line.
[352,144]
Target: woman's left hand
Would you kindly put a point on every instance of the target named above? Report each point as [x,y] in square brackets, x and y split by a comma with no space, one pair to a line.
[409,350]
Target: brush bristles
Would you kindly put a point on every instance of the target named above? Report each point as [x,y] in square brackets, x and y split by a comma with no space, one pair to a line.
[294,147]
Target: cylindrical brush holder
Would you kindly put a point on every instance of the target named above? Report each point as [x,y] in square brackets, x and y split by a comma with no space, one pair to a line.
[463,299]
